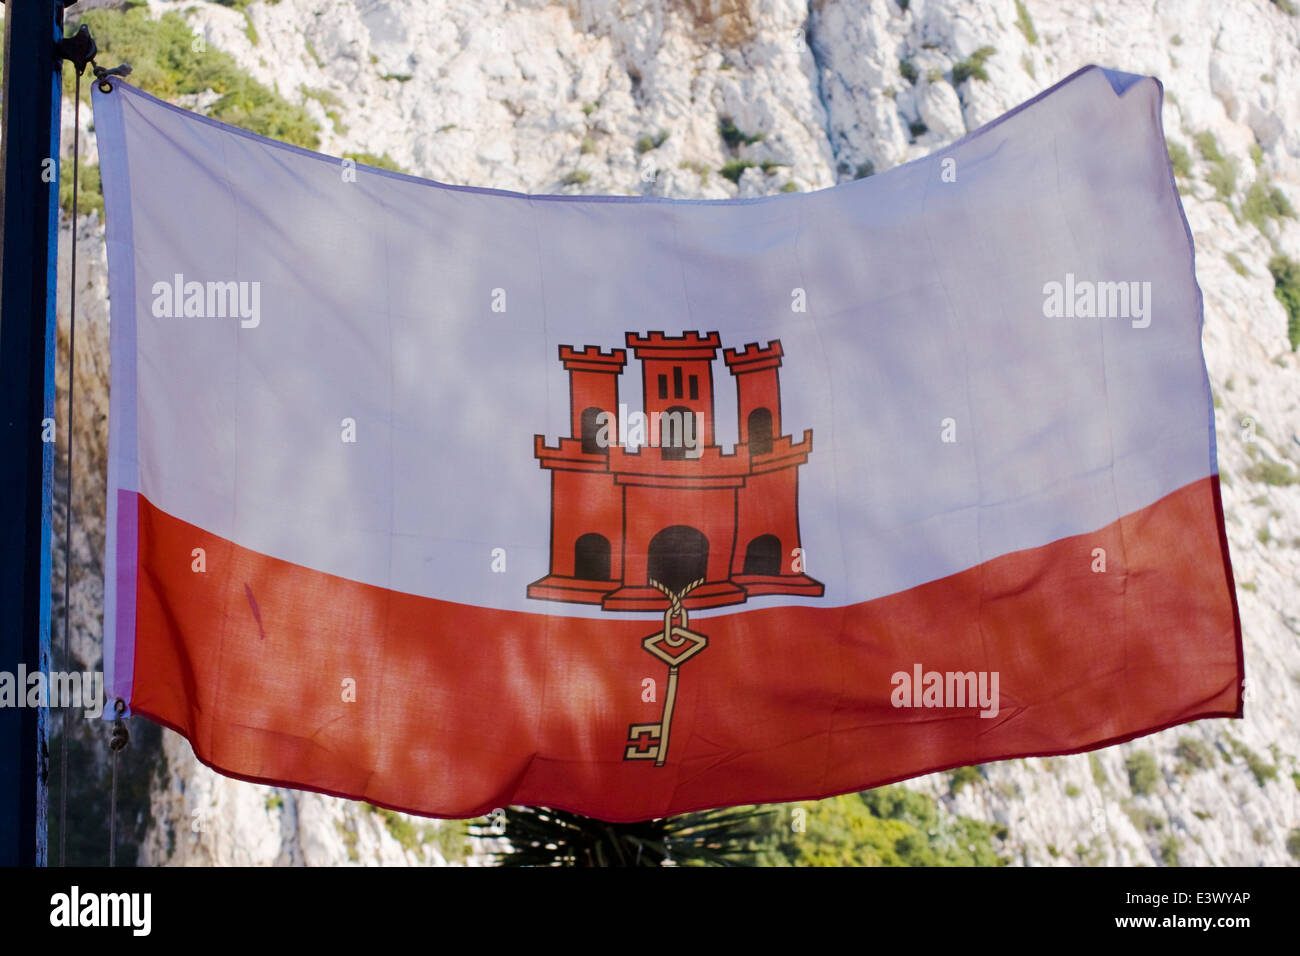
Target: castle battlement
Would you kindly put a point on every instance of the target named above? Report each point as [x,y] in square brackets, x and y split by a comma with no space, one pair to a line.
[592,358]
[751,357]
[688,345]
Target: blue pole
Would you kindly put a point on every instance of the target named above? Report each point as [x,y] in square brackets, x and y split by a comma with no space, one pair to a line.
[29,209]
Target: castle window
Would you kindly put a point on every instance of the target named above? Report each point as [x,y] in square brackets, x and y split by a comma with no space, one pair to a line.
[663,386]
[695,386]
[591,558]
[677,381]
[763,556]
[590,428]
[672,433]
[760,431]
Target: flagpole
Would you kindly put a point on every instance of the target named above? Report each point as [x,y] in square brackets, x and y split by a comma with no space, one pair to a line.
[28,275]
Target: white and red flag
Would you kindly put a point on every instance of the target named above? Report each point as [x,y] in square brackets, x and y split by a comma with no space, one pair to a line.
[449,498]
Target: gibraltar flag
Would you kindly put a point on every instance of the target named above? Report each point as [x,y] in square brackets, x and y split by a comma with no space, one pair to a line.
[447,499]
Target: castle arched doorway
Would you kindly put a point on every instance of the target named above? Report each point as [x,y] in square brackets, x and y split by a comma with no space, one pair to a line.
[763,556]
[678,555]
[591,557]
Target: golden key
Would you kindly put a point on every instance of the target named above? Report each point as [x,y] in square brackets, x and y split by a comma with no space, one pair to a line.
[650,741]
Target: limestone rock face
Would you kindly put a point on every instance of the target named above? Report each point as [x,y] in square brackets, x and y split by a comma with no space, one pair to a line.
[530,95]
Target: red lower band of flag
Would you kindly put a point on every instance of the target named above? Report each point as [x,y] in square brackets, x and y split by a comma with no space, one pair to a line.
[459,709]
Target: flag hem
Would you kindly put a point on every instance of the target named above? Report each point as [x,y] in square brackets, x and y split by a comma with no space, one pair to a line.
[711,805]
[121,86]
[121,519]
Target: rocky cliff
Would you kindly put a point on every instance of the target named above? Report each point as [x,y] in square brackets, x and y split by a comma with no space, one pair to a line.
[722,98]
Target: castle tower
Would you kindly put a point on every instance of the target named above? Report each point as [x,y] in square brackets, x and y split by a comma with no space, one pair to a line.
[586,504]
[768,557]
[593,388]
[758,393]
[677,375]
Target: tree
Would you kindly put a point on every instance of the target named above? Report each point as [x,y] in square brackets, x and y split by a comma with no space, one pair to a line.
[537,836]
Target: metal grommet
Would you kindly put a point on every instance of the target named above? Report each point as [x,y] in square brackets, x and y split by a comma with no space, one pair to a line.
[121,736]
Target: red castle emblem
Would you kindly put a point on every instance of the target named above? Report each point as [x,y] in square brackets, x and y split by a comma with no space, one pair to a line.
[630,526]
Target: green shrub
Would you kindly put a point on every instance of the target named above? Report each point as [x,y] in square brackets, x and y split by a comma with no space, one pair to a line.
[733,137]
[1144,820]
[908,69]
[164,62]
[90,196]
[963,775]
[1238,266]
[1170,845]
[1181,160]
[890,826]
[973,66]
[575,178]
[1142,772]
[400,827]
[1098,771]
[1194,753]
[1260,769]
[1286,286]
[734,169]
[1025,24]
[647,143]
[379,162]
[1272,473]
[1208,146]
[1264,203]
[1223,177]
[325,98]
[451,839]
[699,168]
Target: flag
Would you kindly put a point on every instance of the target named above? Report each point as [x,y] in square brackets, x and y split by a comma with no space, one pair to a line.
[449,498]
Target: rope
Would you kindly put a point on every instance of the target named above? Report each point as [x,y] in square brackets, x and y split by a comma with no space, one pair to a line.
[79,50]
[67,510]
[117,743]
[675,609]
